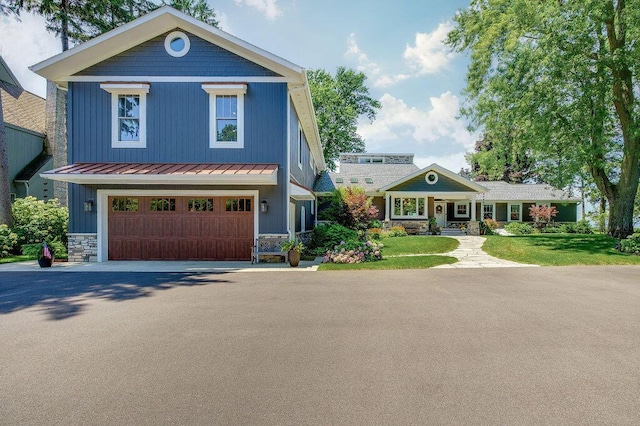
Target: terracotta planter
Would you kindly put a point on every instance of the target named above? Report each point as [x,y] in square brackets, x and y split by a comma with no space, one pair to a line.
[44,262]
[294,258]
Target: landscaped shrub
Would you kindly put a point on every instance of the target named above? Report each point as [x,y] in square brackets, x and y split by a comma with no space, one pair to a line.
[631,244]
[375,233]
[487,226]
[35,221]
[354,252]
[542,215]
[36,250]
[375,223]
[350,207]
[583,227]
[325,237]
[518,228]
[395,231]
[568,228]
[8,241]
[550,229]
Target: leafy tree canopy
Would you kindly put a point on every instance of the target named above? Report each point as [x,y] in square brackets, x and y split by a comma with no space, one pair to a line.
[339,101]
[487,164]
[562,76]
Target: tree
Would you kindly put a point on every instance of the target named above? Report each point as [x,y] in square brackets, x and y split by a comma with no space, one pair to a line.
[199,9]
[562,75]
[339,101]
[489,164]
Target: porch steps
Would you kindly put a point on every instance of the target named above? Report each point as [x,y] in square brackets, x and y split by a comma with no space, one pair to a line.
[452,232]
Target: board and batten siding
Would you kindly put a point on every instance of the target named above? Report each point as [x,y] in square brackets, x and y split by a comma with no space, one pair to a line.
[178,126]
[22,147]
[151,59]
[305,176]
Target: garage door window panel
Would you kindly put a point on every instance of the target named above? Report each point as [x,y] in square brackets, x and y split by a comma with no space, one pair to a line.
[200,205]
[163,205]
[238,205]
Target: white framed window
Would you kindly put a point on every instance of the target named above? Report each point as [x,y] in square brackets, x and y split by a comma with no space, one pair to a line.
[226,115]
[369,160]
[177,44]
[461,209]
[488,211]
[300,145]
[515,212]
[128,114]
[409,207]
[431,178]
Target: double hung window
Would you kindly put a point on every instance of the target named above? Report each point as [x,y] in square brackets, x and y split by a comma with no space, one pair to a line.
[128,114]
[226,115]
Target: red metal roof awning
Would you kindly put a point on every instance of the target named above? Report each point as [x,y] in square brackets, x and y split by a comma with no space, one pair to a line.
[166,173]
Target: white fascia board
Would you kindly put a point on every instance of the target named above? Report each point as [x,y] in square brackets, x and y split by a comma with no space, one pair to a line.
[175,79]
[98,179]
[151,25]
[298,193]
[439,169]
[301,97]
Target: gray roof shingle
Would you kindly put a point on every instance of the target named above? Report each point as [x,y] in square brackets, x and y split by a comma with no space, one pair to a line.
[503,191]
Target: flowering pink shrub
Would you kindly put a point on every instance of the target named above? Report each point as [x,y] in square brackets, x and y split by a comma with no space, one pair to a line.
[354,252]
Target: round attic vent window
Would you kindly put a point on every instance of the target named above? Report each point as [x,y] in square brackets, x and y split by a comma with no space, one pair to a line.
[177,44]
[431,178]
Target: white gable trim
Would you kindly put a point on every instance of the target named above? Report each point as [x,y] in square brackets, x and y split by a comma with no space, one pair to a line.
[147,27]
[441,170]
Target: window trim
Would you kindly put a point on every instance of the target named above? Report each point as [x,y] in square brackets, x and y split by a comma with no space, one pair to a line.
[300,144]
[519,212]
[461,203]
[172,36]
[493,210]
[123,89]
[215,90]
[402,216]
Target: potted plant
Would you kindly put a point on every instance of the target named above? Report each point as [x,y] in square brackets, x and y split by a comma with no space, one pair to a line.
[433,226]
[45,253]
[294,249]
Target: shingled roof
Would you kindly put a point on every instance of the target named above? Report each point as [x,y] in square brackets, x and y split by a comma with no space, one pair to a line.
[28,111]
[371,177]
[503,191]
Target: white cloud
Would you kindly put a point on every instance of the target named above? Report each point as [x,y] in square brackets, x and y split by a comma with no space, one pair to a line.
[24,44]
[269,7]
[224,23]
[433,134]
[369,67]
[430,55]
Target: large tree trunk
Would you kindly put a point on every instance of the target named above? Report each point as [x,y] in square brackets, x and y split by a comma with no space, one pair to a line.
[621,206]
[5,189]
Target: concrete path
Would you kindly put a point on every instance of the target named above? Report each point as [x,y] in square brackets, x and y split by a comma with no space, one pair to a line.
[470,255]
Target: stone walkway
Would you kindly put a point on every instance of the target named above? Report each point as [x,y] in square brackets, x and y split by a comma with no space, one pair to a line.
[470,255]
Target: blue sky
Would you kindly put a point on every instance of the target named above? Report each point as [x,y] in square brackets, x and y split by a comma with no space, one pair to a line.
[398,44]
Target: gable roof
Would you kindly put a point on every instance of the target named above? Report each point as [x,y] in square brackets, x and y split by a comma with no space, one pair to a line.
[503,191]
[27,111]
[6,76]
[473,186]
[379,175]
[60,68]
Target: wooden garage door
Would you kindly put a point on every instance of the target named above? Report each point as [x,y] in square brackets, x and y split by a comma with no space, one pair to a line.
[180,228]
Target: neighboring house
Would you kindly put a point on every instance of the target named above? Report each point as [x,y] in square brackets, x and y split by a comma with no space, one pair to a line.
[24,120]
[184,142]
[403,193]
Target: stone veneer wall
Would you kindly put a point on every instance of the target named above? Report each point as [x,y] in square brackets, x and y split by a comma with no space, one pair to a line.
[83,247]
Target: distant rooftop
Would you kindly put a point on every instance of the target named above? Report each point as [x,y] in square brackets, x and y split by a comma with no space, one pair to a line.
[375,158]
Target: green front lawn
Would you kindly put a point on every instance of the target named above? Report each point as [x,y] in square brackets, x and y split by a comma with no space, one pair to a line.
[559,250]
[12,259]
[407,262]
[396,250]
[417,244]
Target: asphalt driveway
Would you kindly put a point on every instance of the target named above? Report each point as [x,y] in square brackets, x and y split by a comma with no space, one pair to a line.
[475,346]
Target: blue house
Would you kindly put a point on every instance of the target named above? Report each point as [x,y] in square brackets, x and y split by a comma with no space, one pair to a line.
[184,142]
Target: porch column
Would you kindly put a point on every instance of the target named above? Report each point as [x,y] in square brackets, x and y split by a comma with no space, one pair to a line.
[387,206]
[473,208]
